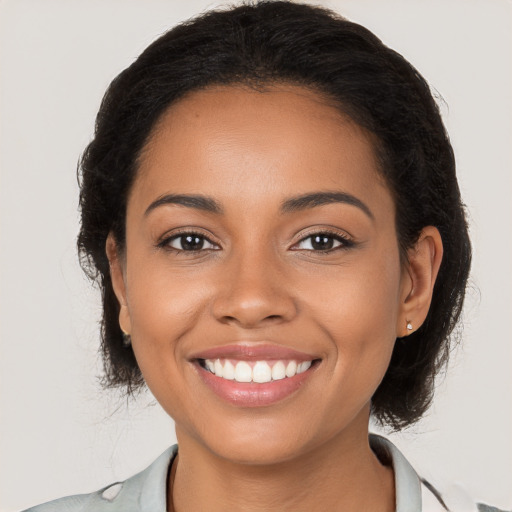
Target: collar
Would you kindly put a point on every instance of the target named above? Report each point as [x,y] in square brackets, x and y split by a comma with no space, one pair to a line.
[407,483]
[152,482]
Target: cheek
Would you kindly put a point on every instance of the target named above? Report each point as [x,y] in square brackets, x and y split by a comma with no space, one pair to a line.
[359,309]
[163,305]
[361,297]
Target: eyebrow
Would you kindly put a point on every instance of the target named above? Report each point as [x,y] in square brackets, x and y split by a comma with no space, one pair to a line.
[199,202]
[294,204]
[314,199]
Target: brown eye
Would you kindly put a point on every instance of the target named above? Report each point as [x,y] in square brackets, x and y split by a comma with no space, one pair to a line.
[190,242]
[323,242]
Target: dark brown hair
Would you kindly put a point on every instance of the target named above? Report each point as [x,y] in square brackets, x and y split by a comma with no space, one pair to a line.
[265,43]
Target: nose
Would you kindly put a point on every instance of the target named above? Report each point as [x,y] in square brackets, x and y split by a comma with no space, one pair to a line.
[253,292]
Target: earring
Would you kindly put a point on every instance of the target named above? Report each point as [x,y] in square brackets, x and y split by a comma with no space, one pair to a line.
[409,326]
[127,339]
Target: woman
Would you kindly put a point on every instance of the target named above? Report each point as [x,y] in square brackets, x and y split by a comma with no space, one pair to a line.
[271,208]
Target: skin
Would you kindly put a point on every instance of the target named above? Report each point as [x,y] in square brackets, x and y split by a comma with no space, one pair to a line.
[260,279]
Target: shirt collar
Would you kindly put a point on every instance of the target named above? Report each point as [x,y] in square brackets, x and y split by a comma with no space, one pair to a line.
[407,483]
[153,494]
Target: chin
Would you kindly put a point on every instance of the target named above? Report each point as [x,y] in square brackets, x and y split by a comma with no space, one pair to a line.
[259,452]
[264,440]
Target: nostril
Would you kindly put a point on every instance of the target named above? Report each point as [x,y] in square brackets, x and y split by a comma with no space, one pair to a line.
[249,307]
[249,321]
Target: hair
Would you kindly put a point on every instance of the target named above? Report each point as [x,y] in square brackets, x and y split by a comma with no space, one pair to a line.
[278,42]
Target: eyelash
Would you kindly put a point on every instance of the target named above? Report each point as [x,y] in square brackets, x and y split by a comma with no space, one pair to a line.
[345,242]
[165,243]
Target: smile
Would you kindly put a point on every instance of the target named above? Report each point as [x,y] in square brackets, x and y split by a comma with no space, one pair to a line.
[255,371]
[254,374]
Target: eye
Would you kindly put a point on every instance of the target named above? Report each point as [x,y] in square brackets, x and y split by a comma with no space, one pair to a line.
[189,242]
[323,242]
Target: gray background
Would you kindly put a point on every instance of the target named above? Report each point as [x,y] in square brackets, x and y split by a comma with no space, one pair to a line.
[59,433]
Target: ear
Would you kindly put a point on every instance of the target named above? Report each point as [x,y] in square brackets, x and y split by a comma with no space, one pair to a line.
[419,276]
[118,276]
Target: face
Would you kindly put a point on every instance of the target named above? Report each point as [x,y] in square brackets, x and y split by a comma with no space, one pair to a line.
[261,281]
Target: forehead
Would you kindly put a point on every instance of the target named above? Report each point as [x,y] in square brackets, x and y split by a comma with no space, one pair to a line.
[239,143]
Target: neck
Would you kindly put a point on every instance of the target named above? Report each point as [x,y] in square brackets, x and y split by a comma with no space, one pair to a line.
[343,474]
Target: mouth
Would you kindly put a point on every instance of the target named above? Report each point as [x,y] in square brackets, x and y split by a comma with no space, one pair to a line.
[254,375]
[260,372]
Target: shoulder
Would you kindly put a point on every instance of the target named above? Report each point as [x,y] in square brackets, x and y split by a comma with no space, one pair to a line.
[488,508]
[144,491]
[455,499]
[415,493]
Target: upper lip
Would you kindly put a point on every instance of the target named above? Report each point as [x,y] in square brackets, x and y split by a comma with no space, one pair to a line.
[253,352]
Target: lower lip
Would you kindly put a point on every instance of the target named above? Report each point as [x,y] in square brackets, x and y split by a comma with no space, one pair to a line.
[253,394]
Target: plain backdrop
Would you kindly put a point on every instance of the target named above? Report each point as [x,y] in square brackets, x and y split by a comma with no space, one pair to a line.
[60,433]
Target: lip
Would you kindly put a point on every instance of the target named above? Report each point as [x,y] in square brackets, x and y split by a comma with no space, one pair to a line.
[249,351]
[252,394]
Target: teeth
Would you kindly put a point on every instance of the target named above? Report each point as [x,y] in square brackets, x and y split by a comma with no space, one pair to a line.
[303,366]
[291,369]
[243,372]
[228,371]
[278,371]
[218,368]
[260,372]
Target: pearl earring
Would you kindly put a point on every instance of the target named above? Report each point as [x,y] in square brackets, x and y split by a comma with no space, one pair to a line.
[409,326]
